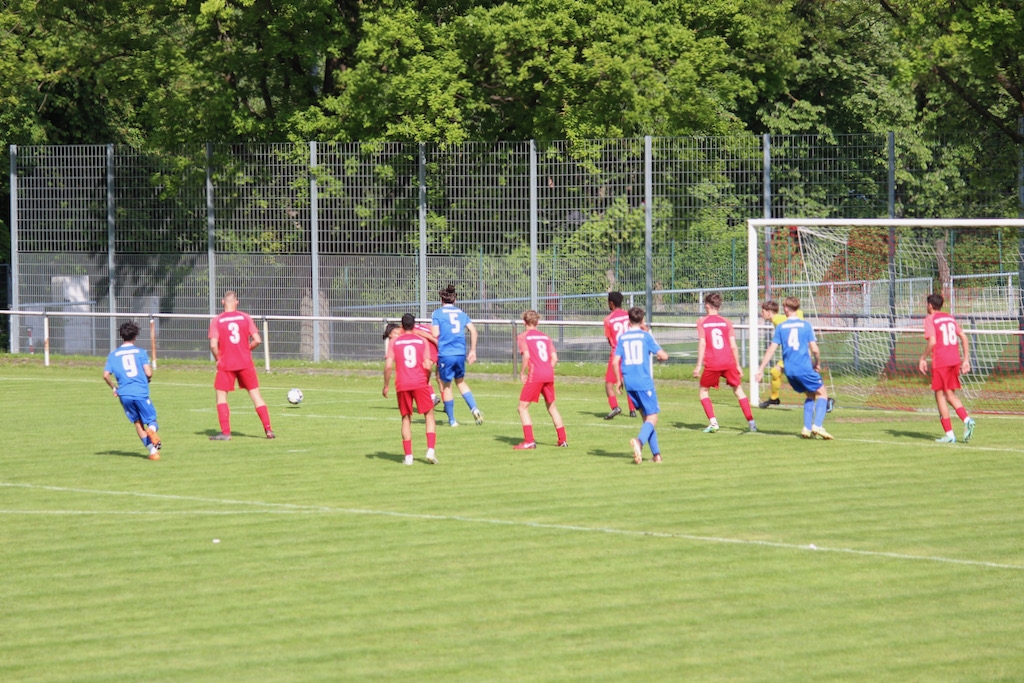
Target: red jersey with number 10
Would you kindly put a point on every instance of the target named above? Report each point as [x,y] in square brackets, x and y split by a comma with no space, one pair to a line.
[946,331]
[232,332]
[409,351]
[717,331]
[542,355]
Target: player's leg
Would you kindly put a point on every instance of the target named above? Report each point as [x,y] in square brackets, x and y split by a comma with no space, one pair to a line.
[261,410]
[447,375]
[820,410]
[424,406]
[776,385]
[224,383]
[709,409]
[524,417]
[431,434]
[407,435]
[947,424]
[961,412]
[147,419]
[735,380]
[467,395]
[611,389]
[548,392]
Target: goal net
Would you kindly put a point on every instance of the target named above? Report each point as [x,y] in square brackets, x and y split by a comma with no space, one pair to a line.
[862,283]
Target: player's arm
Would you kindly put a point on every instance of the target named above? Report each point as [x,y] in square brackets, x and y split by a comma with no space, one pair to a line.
[108,378]
[735,352]
[471,356]
[148,369]
[764,361]
[661,355]
[702,346]
[254,337]
[524,372]
[922,364]
[812,348]
[389,365]
[617,366]
[965,365]
[423,334]
[215,348]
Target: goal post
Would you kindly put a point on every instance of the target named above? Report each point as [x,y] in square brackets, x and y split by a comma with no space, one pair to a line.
[863,283]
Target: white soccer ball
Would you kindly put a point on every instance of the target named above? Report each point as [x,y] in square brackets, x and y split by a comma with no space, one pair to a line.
[295,396]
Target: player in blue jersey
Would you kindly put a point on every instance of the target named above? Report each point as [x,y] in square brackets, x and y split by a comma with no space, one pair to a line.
[634,348]
[802,360]
[449,324]
[129,365]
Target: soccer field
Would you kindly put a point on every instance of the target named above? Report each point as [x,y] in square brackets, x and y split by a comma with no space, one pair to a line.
[881,556]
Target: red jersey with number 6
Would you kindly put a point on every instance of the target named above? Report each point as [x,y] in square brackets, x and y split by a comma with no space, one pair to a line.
[409,351]
[232,332]
[946,331]
[542,355]
[717,331]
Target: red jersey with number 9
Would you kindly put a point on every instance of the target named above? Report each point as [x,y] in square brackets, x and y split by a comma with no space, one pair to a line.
[946,331]
[542,354]
[232,331]
[717,331]
[409,351]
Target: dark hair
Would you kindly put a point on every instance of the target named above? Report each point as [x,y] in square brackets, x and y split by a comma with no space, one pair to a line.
[129,331]
[791,303]
[448,294]
[714,299]
[615,298]
[391,327]
[770,305]
[408,321]
[636,315]
[936,301]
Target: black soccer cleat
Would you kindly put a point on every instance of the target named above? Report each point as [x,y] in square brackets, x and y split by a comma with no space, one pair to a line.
[769,402]
[830,405]
[632,413]
[615,411]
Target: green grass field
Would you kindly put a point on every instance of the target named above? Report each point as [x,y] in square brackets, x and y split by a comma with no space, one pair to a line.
[881,556]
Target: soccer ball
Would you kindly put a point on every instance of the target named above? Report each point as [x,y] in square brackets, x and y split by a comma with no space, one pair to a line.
[295,396]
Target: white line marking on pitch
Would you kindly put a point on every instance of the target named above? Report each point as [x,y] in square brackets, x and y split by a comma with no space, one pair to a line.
[291,507]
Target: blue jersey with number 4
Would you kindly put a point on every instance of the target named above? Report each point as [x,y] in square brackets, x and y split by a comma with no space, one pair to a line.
[126,364]
[451,321]
[794,338]
[635,348]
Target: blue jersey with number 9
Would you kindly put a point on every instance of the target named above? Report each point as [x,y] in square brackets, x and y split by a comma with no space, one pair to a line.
[451,322]
[126,364]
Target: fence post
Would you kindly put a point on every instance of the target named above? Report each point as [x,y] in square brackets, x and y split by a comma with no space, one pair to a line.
[1020,241]
[533,225]
[211,256]
[15,331]
[423,230]
[314,247]
[649,224]
[892,246]
[111,237]
[767,182]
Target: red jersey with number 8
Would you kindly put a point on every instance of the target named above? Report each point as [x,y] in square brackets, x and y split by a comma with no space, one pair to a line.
[542,353]
[946,331]
[232,332]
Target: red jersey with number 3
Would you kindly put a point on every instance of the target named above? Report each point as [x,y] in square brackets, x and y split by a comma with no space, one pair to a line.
[615,323]
[542,355]
[409,351]
[946,330]
[716,331]
[232,331]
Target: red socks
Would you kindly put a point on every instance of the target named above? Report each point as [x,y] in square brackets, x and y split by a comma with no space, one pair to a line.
[745,407]
[961,412]
[431,439]
[224,417]
[709,409]
[561,434]
[947,424]
[528,433]
[264,417]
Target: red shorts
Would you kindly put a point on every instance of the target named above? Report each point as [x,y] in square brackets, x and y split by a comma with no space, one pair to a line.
[424,404]
[710,378]
[532,391]
[609,374]
[946,379]
[246,379]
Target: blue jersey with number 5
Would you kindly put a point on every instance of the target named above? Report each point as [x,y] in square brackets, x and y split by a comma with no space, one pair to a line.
[126,364]
[635,348]
[794,337]
[451,321]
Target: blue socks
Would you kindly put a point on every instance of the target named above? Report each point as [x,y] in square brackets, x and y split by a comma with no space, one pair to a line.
[653,441]
[470,401]
[809,413]
[646,432]
[449,408]
[820,406]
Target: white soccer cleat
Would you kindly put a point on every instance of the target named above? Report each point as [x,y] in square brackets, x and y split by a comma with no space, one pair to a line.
[806,433]
[478,416]
[968,429]
[431,458]
[637,451]
[408,460]
[949,438]
[821,433]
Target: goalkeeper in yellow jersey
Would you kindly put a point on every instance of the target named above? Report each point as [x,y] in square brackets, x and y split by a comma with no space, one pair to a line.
[770,313]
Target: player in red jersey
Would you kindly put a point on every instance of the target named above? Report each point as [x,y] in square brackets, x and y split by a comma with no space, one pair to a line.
[393,330]
[615,323]
[538,376]
[233,336]
[719,357]
[942,331]
[412,384]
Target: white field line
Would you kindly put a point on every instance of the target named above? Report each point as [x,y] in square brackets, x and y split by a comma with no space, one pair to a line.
[293,508]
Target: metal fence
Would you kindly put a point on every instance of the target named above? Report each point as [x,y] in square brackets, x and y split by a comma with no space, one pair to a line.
[372,229]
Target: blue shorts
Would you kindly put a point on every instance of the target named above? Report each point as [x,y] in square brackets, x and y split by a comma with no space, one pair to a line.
[806,383]
[139,410]
[646,401]
[451,367]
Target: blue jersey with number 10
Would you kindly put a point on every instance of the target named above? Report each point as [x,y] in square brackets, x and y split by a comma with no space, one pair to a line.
[126,364]
[794,337]
[451,322]
[635,348]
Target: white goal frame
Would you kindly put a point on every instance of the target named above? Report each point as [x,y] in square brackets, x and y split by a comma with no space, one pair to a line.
[755,227]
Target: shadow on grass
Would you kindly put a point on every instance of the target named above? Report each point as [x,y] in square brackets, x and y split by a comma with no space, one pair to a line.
[125,454]
[510,440]
[928,436]
[234,435]
[625,454]
[381,455]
